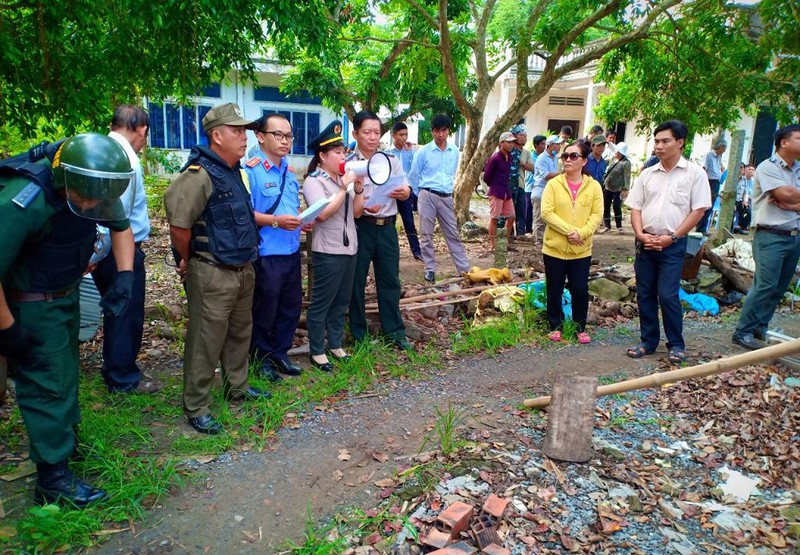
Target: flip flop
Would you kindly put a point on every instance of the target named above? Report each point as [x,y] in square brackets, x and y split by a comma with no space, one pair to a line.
[677,356]
[639,351]
[555,336]
[584,338]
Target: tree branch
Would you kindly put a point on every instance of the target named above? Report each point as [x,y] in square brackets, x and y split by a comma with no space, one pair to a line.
[446,50]
[423,12]
[383,72]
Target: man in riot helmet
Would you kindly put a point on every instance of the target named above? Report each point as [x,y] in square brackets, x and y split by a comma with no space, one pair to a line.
[51,199]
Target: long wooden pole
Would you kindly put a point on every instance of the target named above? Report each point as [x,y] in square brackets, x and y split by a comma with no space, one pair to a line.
[442,294]
[699,371]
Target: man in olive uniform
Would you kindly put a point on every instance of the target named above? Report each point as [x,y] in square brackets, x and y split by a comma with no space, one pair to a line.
[377,240]
[50,201]
[214,232]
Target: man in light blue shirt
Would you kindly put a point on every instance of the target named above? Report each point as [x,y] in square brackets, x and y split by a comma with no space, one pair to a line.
[544,169]
[401,149]
[122,334]
[538,147]
[714,169]
[432,176]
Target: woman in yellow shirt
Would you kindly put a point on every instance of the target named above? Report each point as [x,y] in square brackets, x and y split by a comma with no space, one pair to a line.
[572,208]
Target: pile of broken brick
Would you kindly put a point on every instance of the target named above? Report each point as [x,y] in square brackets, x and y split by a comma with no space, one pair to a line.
[447,534]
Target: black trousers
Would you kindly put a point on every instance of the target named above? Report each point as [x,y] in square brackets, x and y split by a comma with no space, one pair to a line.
[277,302]
[575,273]
[609,198]
[122,335]
[743,216]
[702,225]
[406,209]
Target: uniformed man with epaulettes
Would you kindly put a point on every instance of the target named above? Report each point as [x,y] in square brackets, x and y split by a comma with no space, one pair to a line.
[214,233]
[278,297]
[377,240]
[50,202]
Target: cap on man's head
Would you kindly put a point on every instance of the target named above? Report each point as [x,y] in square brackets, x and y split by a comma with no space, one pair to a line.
[555,140]
[507,137]
[519,128]
[598,140]
[331,134]
[226,114]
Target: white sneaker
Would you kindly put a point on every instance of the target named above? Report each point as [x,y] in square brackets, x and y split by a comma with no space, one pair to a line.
[620,230]
[601,230]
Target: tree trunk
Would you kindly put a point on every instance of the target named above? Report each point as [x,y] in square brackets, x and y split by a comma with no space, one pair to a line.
[727,204]
[740,282]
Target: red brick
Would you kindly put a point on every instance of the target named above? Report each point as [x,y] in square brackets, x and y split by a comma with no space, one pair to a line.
[494,549]
[455,518]
[436,538]
[460,548]
[495,505]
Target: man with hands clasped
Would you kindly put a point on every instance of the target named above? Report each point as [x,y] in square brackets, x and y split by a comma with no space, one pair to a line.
[667,202]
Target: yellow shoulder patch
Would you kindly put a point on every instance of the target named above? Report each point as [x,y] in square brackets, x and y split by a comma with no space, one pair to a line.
[194,167]
[252,162]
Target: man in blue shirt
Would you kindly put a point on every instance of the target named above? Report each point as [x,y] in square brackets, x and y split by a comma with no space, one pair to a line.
[432,174]
[402,150]
[545,169]
[714,169]
[122,334]
[278,294]
[538,148]
[596,164]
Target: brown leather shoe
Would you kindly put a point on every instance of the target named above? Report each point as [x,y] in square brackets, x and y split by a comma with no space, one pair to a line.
[148,388]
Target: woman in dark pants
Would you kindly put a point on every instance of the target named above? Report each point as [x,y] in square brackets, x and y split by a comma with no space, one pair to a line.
[616,182]
[333,244]
[572,207]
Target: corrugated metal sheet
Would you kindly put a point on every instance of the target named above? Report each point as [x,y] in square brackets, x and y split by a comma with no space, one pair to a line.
[91,313]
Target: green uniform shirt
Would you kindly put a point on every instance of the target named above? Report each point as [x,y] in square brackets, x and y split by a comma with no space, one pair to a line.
[20,226]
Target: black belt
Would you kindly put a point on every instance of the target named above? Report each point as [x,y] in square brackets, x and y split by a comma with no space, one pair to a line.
[389,220]
[29,296]
[437,193]
[223,266]
[138,244]
[778,231]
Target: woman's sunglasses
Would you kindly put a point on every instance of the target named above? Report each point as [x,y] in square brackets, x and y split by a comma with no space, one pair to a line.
[570,156]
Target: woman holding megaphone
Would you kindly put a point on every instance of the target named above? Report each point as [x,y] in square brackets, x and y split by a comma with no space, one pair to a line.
[333,244]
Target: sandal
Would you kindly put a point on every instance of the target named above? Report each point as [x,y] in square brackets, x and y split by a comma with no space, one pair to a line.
[554,336]
[639,351]
[584,338]
[677,356]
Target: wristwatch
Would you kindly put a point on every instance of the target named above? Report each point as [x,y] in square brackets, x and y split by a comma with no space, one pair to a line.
[274,222]
[674,238]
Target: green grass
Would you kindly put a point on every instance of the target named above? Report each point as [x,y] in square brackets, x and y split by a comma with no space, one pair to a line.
[317,540]
[134,444]
[444,430]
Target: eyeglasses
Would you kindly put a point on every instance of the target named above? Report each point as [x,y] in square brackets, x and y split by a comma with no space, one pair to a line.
[280,135]
[571,156]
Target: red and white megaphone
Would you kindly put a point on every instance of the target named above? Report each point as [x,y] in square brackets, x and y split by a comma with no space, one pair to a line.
[378,168]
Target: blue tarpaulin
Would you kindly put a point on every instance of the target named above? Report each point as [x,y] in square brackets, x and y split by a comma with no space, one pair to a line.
[699,302]
[539,287]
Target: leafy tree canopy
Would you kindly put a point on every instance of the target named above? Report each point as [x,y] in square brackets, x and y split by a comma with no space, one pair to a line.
[704,67]
[70,62]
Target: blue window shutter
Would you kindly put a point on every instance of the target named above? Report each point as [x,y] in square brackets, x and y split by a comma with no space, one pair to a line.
[157,132]
[173,125]
[201,113]
[299,131]
[312,131]
[189,127]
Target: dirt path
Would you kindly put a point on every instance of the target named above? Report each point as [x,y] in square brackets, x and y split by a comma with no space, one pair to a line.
[254,502]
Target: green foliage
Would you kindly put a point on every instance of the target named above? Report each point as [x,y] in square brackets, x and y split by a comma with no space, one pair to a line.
[70,62]
[702,68]
[317,541]
[156,159]
[154,188]
[14,141]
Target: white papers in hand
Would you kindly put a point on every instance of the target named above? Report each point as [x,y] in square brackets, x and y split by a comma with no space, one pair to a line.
[310,214]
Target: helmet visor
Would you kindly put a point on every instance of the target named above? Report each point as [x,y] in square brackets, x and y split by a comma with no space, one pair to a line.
[98,195]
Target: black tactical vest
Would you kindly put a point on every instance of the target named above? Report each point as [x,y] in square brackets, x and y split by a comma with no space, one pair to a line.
[57,261]
[227,222]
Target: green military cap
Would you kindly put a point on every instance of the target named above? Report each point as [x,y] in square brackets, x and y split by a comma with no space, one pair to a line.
[329,135]
[226,114]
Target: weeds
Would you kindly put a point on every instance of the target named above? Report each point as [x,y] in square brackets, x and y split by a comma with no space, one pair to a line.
[317,541]
[444,430]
